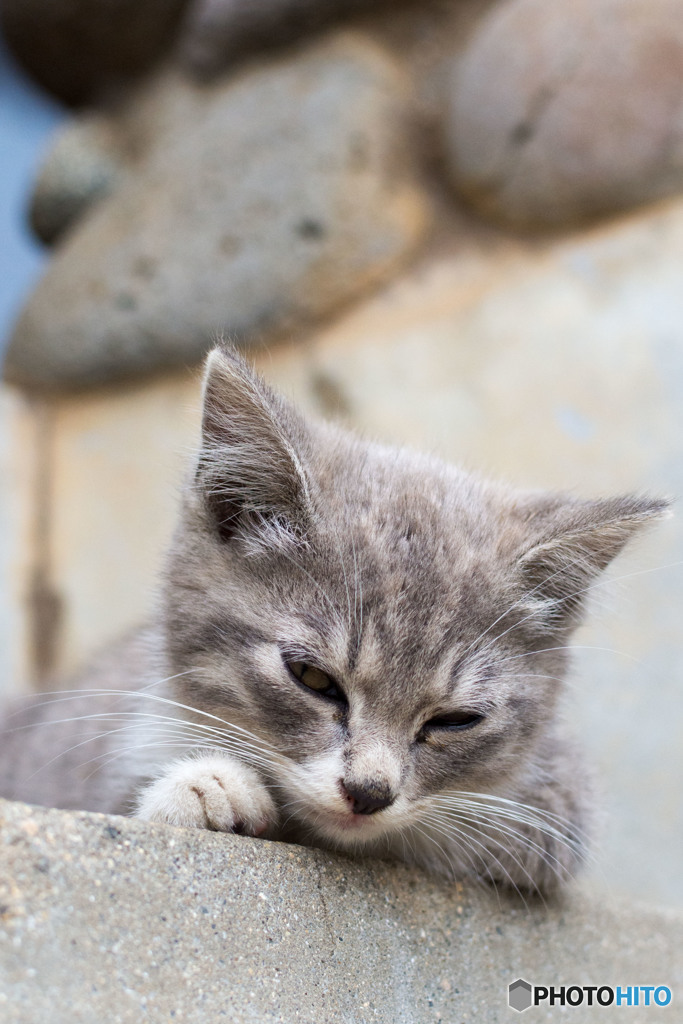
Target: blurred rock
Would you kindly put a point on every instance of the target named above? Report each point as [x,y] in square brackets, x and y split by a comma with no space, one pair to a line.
[82,167]
[560,112]
[260,205]
[219,31]
[75,48]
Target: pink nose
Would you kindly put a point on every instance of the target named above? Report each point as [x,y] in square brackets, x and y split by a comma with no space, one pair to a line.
[367,799]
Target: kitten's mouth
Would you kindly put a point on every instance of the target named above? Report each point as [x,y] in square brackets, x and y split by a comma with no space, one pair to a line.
[350,824]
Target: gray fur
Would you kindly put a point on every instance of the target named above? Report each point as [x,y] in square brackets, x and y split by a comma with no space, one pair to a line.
[421,591]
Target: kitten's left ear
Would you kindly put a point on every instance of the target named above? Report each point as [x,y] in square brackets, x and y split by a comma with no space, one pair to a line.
[575,541]
[250,468]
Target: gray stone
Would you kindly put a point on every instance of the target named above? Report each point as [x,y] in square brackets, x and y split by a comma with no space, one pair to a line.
[76,48]
[560,112]
[107,919]
[260,205]
[82,167]
[217,32]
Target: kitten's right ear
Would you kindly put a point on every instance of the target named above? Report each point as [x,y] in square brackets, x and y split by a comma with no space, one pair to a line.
[250,472]
[575,540]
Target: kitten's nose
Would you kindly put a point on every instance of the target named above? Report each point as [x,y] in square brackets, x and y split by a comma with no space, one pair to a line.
[367,799]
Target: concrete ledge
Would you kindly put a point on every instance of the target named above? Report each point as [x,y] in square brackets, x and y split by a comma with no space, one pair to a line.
[105,919]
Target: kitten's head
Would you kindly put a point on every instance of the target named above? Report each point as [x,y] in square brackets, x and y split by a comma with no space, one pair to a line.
[386,625]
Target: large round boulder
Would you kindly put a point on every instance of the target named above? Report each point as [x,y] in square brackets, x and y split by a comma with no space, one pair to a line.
[563,111]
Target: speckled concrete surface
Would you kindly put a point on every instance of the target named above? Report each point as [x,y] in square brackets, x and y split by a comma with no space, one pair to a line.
[110,921]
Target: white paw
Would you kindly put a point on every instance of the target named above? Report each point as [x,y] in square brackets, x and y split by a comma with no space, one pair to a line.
[213,792]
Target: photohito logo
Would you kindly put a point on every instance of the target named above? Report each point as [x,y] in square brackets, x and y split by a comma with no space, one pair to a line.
[522,994]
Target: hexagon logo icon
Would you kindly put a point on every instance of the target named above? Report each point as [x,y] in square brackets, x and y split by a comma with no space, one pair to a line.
[519,995]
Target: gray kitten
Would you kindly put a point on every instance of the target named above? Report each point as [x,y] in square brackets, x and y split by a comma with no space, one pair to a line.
[358,647]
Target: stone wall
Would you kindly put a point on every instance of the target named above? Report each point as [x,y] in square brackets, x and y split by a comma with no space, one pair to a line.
[254,169]
[246,930]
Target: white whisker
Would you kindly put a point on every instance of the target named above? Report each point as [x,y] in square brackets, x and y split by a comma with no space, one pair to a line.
[450,830]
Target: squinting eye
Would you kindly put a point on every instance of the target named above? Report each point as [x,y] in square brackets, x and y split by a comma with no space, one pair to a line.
[456,721]
[317,680]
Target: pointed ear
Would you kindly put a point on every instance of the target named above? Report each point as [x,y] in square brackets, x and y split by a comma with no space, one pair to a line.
[575,541]
[250,472]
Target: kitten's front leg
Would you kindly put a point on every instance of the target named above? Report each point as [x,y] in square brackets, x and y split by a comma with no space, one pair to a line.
[213,791]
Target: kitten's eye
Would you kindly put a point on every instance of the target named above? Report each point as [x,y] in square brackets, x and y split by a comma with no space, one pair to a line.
[317,680]
[456,721]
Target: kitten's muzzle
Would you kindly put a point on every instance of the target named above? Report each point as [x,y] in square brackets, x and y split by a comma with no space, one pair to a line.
[366,799]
